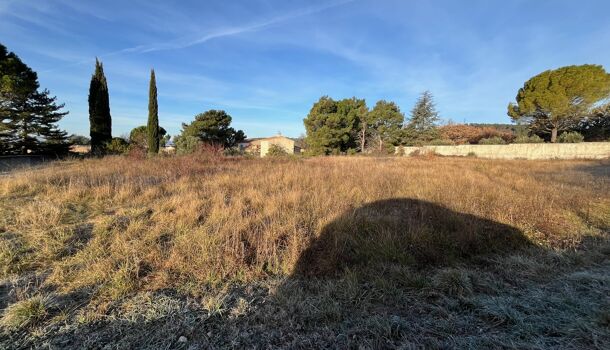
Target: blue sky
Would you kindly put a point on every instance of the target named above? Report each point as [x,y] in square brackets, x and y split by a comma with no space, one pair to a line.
[266,61]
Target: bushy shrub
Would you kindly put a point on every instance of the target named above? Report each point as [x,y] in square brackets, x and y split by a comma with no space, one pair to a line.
[506,136]
[495,140]
[138,136]
[351,152]
[117,145]
[186,144]
[528,139]
[208,150]
[570,137]
[384,150]
[463,134]
[276,151]
[233,151]
[136,152]
[79,140]
[441,142]
[460,133]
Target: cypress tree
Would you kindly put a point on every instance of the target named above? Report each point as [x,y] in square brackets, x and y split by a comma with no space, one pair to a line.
[152,129]
[100,121]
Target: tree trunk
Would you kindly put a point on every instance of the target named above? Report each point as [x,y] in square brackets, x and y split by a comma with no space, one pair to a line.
[363,139]
[554,134]
[24,137]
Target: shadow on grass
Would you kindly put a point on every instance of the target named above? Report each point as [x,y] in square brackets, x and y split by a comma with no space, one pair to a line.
[600,169]
[315,306]
[405,232]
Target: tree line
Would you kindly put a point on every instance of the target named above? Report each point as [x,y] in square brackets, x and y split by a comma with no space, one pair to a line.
[349,126]
[565,104]
[210,127]
[568,104]
[29,117]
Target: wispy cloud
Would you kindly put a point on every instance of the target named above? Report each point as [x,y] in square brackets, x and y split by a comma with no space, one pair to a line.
[193,40]
[5,6]
[201,38]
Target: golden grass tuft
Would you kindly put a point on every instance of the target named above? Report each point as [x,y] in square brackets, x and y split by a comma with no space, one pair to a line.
[26,313]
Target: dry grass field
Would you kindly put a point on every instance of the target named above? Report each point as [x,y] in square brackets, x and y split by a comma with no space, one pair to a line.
[348,252]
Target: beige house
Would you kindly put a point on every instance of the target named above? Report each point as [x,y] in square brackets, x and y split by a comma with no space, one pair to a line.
[169,149]
[250,146]
[80,149]
[260,146]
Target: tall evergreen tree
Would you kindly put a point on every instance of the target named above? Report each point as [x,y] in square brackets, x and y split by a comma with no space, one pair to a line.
[100,121]
[424,117]
[152,128]
[28,116]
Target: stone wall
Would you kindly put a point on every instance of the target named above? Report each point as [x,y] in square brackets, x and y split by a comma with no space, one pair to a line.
[583,150]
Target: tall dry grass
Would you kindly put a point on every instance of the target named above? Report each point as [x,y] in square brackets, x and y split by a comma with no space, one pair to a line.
[120,225]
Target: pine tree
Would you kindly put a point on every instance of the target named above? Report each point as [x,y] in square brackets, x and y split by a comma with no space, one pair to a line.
[385,124]
[100,121]
[334,126]
[558,100]
[422,125]
[152,128]
[212,127]
[28,116]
